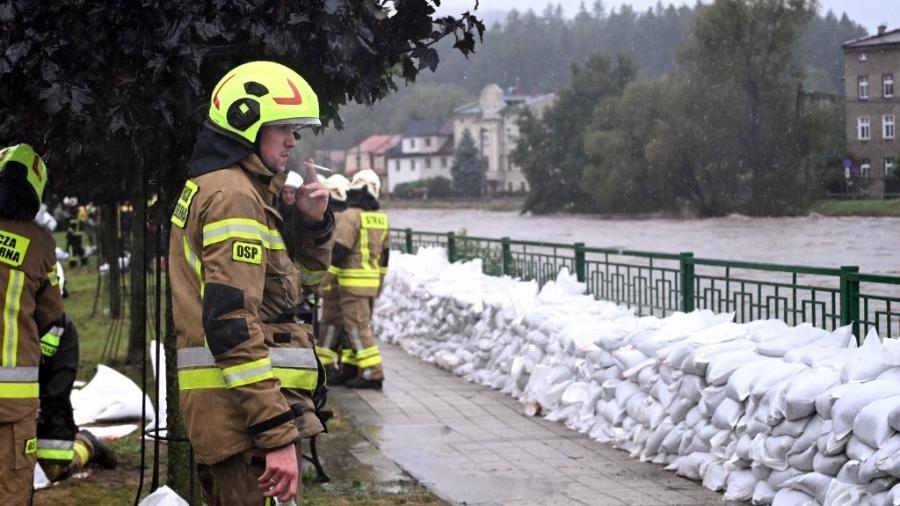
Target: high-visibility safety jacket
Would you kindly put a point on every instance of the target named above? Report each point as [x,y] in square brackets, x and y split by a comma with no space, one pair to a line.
[246,368]
[31,303]
[361,251]
[56,427]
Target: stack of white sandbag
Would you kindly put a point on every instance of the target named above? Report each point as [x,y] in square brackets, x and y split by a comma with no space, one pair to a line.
[762,411]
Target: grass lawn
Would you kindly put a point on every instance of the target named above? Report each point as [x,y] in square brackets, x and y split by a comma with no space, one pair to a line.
[353,481]
[858,207]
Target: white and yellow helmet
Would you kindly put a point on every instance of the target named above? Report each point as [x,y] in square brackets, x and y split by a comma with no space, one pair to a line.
[294,180]
[366,179]
[337,187]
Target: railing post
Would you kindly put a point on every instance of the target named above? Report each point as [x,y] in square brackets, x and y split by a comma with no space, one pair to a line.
[505,257]
[580,266]
[409,243]
[850,299]
[451,247]
[687,281]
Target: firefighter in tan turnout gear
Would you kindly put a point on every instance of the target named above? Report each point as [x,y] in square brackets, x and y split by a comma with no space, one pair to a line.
[359,263]
[32,305]
[246,367]
[328,344]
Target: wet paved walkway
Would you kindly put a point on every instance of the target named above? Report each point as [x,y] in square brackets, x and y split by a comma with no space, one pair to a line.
[472,445]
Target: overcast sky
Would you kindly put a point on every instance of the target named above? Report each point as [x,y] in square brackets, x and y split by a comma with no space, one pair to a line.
[867,12]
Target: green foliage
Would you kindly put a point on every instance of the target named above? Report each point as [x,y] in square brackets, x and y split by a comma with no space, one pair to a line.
[468,168]
[733,139]
[128,83]
[619,177]
[551,150]
[429,188]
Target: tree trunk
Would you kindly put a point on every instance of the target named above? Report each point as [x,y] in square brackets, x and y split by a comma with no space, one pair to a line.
[109,230]
[137,328]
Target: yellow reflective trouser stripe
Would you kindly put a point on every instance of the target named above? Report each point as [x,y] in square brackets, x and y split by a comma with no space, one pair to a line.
[368,357]
[205,377]
[296,378]
[194,262]
[309,276]
[14,390]
[241,228]
[326,355]
[348,357]
[84,454]
[359,283]
[250,372]
[11,318]
[55,449]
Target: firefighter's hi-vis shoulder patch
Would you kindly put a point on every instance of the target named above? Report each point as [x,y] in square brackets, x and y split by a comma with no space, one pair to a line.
[246,252]
[180,214]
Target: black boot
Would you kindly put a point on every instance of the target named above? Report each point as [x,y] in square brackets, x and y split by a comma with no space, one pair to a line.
[102,454]
[343,375]
[362,382]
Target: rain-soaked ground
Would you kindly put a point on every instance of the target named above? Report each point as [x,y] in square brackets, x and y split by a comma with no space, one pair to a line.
[472,445]
[871,243]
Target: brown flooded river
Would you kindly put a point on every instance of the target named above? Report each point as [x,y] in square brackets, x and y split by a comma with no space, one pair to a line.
[871,243]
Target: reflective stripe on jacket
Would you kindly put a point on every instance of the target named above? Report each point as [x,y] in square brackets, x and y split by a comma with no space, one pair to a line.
[365,235]
[243,367]
[30,304]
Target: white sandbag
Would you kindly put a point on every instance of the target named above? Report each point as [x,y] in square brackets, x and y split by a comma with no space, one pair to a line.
[776,375]
[163,496]
[688,466]
[790,339]
[777,478]
[822,348]
[710,399]
[691,387]
[804,461]
[872,424]
[793,428]
[869,360]
[858,450]
[813,484]
[727,414]
[722,365]
[854,399]
[714,476]
[791,497]
[762,493]
[809,436]
[869,469]
[800,396]
[655,441]
[110,396]
[740,486]
[741,380]
[829,465]
[841,493]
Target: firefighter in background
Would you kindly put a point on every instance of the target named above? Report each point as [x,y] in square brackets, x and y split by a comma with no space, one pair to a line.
[75,237]
[359,263]
[247,369]
[31,306]
[330,330]
[288,195]
[62,449]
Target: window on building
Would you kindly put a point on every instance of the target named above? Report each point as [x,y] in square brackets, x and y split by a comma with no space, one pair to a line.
[889,165]
[444,162]
[427,142]
[863,82]
[887,85]
[522,186]
[509,187]
[428,163]
[865,167]
[864,128]
[887,124]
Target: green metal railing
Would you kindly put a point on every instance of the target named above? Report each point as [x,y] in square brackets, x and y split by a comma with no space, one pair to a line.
[661,283]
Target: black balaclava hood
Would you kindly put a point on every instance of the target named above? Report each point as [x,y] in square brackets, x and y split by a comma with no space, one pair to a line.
[215,150]
[363,200]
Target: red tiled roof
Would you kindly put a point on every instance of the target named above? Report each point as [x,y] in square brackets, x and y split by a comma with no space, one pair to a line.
[378,144]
